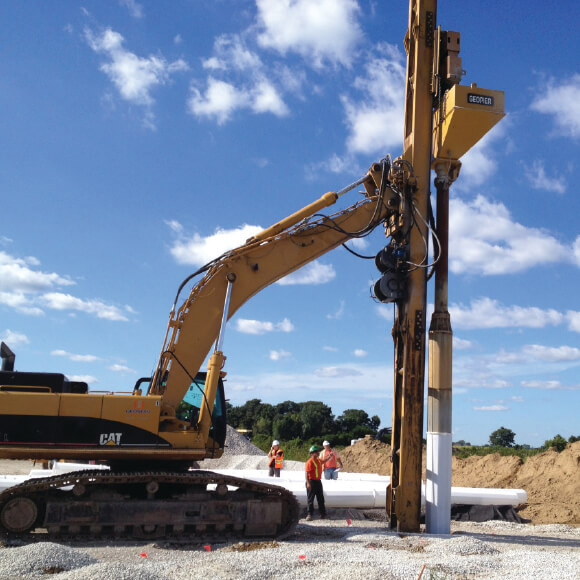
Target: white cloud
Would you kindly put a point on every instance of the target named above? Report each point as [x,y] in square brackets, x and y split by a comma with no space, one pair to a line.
[360,353]
[334,164]
[484,239]
[576,250]
[337,372]
[12,338]
[326,30]
[488,313]
[266,99]
[479,164]
[20,302]
[117,368]
[481,380]
[75,357]
[231,53]
[461,343]
[60,301]
[198,250]
[330,348]
[552,354]
[313,273]
[277,355]
[546,385]
[222,99]
[246,83]
[573,318]
[337,382]
[562,101]
[134,77]
[539,179]
[135,9]
[375,122]
[29,291]
[492,408]
[247,326]
[339,313]
[18,276]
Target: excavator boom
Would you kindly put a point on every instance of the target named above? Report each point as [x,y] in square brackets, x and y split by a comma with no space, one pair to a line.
[263,260]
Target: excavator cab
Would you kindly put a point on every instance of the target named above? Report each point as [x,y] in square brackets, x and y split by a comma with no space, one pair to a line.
[189,408]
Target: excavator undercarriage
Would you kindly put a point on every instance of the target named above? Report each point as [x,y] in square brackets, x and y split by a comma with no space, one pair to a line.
[194,506]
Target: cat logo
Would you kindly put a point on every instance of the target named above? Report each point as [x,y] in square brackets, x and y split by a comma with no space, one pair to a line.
[110,439]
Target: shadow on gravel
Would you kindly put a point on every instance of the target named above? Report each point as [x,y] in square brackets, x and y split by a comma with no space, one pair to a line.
[506,538]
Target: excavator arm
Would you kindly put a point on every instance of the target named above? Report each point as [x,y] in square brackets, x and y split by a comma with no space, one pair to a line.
[267,257]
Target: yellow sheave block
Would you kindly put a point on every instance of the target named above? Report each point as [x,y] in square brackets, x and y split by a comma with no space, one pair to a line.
[466,115]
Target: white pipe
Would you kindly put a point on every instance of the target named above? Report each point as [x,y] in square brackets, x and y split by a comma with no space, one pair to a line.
[438,483]
[351,490]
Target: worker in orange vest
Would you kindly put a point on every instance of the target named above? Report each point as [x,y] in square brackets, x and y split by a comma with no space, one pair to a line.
[276,457]
[313,468]
[333,463]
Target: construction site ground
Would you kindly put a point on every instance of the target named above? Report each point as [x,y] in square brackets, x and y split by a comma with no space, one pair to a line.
[352,543]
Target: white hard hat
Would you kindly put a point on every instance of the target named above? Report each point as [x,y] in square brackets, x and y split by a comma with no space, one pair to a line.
[275,442]
[325,443]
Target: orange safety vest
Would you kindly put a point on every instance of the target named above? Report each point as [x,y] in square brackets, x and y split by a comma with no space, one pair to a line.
[314,468]
[279,460]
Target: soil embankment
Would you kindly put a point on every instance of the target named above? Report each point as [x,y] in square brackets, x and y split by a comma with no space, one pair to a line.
[551,479]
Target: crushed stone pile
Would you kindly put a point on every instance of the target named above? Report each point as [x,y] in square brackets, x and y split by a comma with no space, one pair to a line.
[240,453]
[237,444]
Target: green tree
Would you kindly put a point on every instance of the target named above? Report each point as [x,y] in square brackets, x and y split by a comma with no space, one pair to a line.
[573,438]
[353,419]
[316,418]
[558,442]
[375,422]
[262,426]
[502,437]
[288,407]
[287,427]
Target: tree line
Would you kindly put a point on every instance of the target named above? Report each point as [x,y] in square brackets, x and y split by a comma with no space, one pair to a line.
[503,441]
[308,421]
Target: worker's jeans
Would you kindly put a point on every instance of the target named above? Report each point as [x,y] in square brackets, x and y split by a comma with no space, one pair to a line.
[315,491]
[330,473]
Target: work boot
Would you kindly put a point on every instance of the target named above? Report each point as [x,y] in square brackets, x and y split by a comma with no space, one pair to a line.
[308,518]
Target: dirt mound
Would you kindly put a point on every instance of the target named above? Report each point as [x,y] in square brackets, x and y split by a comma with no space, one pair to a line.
[551,479]
[367,456]
[490,471]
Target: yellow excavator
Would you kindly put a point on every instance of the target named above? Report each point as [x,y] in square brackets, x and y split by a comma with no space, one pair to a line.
[150,437]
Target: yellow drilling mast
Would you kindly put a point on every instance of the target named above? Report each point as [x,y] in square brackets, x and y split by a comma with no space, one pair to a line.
[443,120]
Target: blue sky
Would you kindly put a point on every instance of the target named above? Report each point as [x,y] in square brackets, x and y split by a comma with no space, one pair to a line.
[141,139]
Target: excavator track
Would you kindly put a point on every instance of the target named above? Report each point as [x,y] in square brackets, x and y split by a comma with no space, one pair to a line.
[194,506]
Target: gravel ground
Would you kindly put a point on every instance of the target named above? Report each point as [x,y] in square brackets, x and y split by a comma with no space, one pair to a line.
[350,547]
[351,544]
